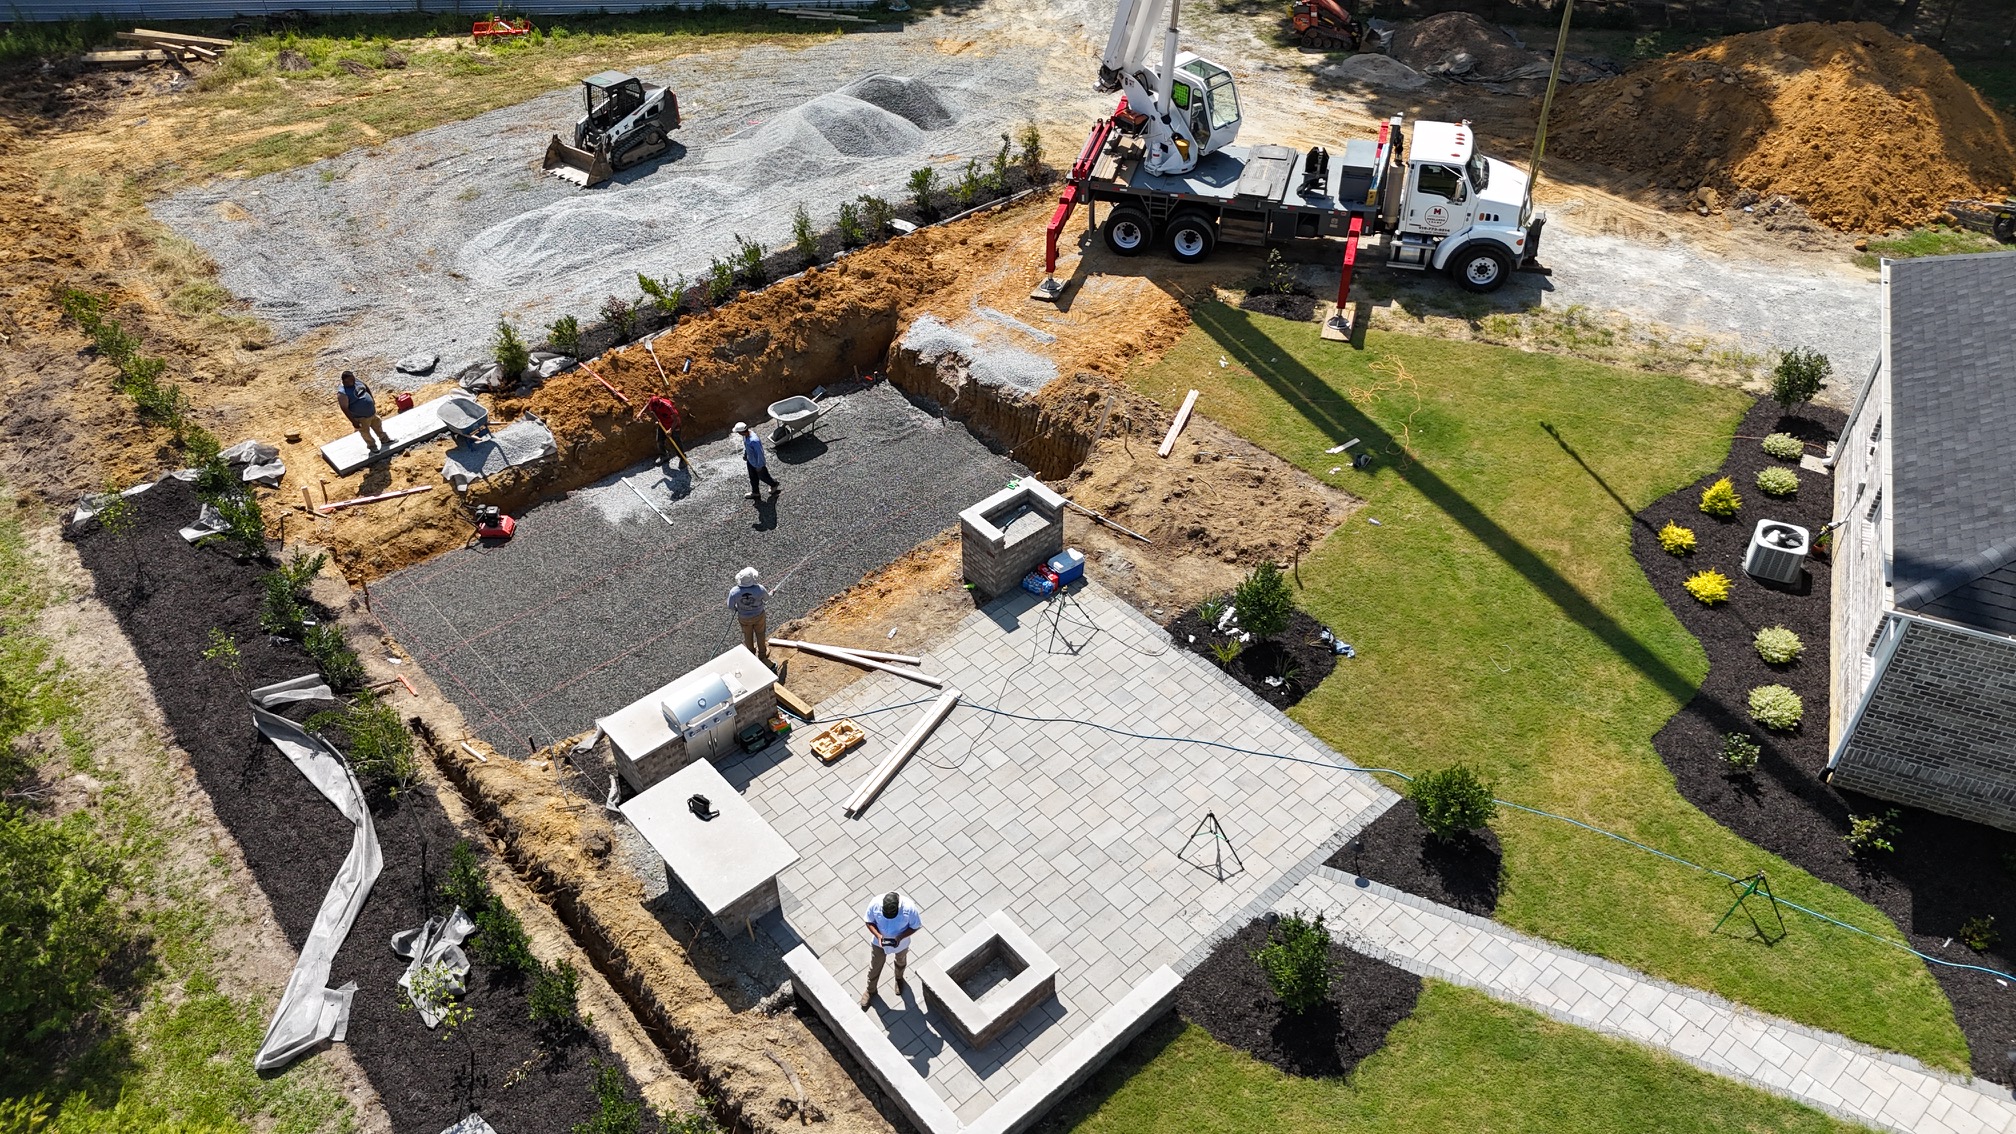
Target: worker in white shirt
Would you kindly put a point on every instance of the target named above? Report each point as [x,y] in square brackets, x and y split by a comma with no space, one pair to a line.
[891,919]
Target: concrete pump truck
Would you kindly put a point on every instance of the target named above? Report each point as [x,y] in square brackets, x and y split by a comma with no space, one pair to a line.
[1165,166]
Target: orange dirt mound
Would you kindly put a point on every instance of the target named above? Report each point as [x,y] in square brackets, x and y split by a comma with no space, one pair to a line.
[1866,130]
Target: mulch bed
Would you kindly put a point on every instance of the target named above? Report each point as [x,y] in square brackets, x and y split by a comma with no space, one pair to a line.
[1300,648]
[1299,305]
[294,840]
[1227,995]
[1397,850]
[1944,870]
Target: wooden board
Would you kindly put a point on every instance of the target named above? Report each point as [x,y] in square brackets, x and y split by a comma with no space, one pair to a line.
[793,701]
[1175,427]
[179,37]
[125,58]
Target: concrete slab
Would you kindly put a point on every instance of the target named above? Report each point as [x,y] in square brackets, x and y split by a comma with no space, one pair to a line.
[348,453]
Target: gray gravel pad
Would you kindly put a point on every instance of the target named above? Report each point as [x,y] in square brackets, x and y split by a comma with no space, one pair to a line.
[618,588]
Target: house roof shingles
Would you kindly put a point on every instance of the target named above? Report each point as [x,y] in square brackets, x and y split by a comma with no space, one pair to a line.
[1953,437]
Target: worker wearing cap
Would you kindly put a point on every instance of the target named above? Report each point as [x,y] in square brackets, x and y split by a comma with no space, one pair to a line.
[891,919]
[759,465]
[747,599]
[362,409]
[666,415]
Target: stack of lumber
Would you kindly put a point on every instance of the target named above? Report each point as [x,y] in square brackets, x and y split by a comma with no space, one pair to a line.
[159,47]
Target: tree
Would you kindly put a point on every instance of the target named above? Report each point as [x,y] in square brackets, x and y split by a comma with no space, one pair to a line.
[1296,960]
[513,356]
[1452,800]
[1262,604]
[1799,375]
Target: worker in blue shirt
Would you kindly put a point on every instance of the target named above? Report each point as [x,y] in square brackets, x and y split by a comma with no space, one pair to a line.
[759,465]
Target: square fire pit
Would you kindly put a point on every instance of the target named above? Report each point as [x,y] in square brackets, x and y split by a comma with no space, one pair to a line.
[955,979]
[1008,533]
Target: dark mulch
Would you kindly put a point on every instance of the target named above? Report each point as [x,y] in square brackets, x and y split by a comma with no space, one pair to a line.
[1300,648]
[1299,306]
[1944,870]
[1227,995]
[1397,850]
[294,840]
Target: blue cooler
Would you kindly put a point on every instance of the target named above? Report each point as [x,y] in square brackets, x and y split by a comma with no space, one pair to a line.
[1069,566]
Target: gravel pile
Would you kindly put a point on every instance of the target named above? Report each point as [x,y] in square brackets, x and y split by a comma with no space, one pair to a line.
[855,128]
[906,98]
[1374,71]
[988,363]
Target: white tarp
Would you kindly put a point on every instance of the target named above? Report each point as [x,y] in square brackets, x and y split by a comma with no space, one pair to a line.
[439,942]
[311,1013]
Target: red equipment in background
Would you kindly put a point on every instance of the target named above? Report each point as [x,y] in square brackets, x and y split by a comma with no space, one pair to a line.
[506,26]
[1325,24]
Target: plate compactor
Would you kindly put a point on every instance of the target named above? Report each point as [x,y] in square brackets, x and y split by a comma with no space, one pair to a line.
[628,121]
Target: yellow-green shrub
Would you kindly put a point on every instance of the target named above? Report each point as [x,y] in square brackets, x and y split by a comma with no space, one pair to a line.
[1720,499]
[1675,539]
[1710,586]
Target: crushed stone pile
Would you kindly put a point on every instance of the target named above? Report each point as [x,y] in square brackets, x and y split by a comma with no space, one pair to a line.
[1460,44]
[910,99]
[1373,70]
[1866,130]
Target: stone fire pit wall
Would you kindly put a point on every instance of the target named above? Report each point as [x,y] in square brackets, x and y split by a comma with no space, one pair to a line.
[1008,533]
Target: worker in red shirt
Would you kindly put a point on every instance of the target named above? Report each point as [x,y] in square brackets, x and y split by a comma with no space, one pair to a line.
[666,416]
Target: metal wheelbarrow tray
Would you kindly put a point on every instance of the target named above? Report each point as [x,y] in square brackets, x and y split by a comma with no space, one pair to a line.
[793,417]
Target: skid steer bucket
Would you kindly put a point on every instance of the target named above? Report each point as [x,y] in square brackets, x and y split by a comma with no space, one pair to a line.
[586,168]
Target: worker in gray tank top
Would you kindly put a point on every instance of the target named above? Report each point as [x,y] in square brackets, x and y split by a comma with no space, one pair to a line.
[747,600]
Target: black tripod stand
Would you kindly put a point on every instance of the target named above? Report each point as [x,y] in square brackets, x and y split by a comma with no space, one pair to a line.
[1059,601]
[1221,845]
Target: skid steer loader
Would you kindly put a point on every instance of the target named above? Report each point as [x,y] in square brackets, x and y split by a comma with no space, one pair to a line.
[627,122]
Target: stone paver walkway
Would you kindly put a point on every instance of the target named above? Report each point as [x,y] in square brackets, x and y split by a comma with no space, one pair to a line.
[1823,1070]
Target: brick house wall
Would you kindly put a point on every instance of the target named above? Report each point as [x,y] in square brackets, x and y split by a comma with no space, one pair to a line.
[1938,730]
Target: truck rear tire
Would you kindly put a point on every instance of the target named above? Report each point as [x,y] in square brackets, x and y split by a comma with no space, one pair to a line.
[1127,231]
[2005,227]
[1480,267]
[1192,238]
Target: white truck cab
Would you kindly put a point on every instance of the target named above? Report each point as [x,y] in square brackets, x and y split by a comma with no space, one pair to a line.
[1458,210]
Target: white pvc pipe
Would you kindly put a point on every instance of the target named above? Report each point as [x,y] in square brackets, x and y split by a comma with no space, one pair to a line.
[878,655]
[852,658]
[894,762]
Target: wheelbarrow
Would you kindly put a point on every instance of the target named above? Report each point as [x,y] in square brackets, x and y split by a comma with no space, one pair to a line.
[793,417]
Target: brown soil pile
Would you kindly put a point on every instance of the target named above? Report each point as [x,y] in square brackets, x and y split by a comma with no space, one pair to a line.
[1866,130]
[1437,40]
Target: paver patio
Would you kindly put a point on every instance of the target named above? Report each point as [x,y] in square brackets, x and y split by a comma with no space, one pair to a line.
[1073,831]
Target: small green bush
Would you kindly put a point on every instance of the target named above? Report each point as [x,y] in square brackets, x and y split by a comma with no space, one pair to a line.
[1871,832]
[1452,800]
[621,315]
[1296,961]
[967,190]
[281,611]
[1277,275]
[1980,934]
[564,335]
[510,351]
[334,657]
[244,531]
[1784,446]
[1775,481]
[1741,751]
[749,262]
[876,214]
[1777,645]
[500,938]
[852,234]
[803,236]
[1029,153]
[1262,603]
[554,1000]
[381,750]
[720,282]
[667,296]
[615,1111]
[1708,587]
[923,184]
[1676,540]
[1798,377]
[1720,499]
[1776,707]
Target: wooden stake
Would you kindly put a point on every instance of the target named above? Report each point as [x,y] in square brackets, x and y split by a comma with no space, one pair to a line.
[325,491]
[357,500]
[1175,427]
[307,498]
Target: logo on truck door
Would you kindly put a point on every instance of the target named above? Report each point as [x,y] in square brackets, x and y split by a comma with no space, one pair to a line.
[1436,216]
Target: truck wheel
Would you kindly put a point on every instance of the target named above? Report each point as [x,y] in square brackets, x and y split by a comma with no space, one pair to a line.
[1480,267]
[1191,238]
[2005,227]
[1127,231]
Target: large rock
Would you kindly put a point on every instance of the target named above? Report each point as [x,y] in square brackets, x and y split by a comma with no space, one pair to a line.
[419,364]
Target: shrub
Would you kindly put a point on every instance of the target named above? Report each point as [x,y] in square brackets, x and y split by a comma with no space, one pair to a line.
[1029,154]
[435,986]
[1871,832]
[554,1000]
[1775,481]
[1784,446]
[511,352]
[1776,707]
[1227,652]
[695,1121]
[60,883]
[1777,645]
[334,657]
[299,571]
[564,335]
[802,235]
[965,191]
[1262,602]
[223,653]
[381,750]
[1277,275]
[1798,376]
[923,183]
[281,611]
[1741,751]
[876,214]
[749,261]
[1676,540]
[1296,960]
[244,524]
[1452,800]
[620,314]
[667,295]
[996,180]
[1708,587]
[499,939]
[852,235]
[720,282]
[1979,933]
[615,1111]
[1720,499]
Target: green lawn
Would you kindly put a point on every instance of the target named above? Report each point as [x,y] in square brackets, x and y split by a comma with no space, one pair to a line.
[1933,240]
[1500,620]
[1462,1062]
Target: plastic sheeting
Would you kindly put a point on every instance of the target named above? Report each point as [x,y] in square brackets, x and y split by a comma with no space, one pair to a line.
[310,1013]
[439,942]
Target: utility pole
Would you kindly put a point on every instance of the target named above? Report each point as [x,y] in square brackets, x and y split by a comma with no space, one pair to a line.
[1547,103]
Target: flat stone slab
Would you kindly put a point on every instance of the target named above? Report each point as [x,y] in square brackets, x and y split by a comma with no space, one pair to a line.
[348,453]
[721,861]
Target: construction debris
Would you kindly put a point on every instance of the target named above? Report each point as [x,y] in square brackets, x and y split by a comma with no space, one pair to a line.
[1176,427]
[179,46]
